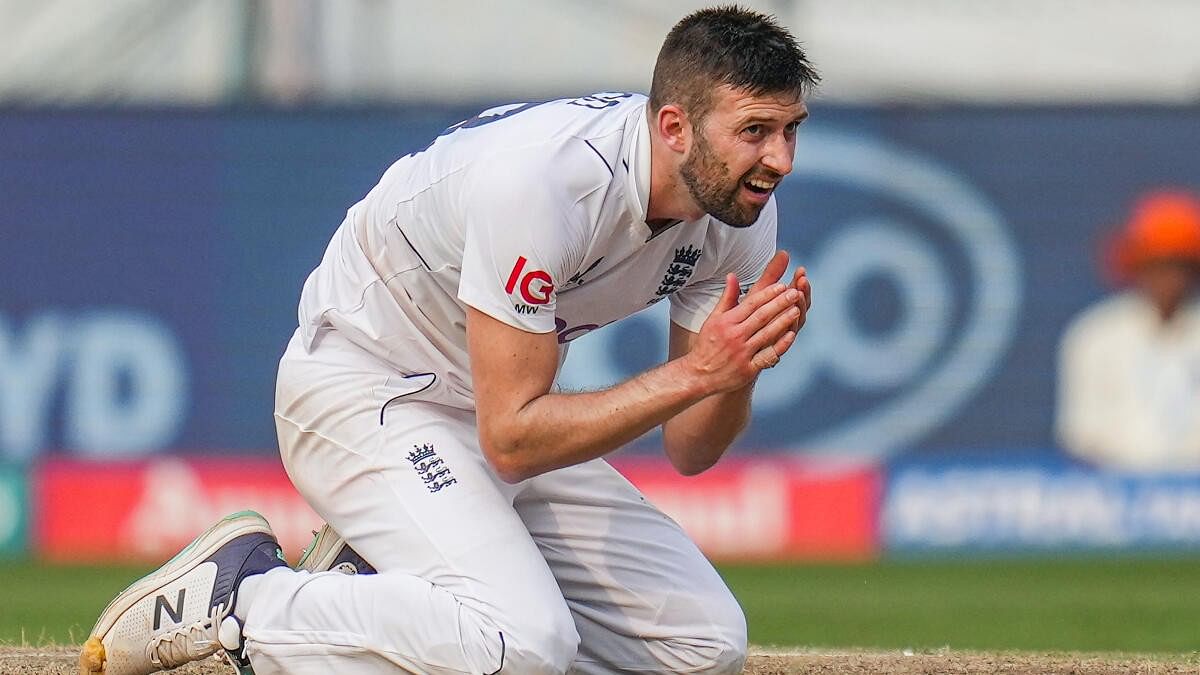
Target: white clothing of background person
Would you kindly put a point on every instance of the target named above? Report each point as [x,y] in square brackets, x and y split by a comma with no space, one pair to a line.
[1129,387]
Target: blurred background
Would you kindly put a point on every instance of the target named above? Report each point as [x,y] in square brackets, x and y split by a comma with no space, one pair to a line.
[989,436]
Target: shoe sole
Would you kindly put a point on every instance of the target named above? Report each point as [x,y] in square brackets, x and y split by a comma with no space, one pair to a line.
[324,547]
[92,658]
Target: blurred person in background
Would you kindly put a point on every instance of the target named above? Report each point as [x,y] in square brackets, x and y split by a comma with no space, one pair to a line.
[1129,366]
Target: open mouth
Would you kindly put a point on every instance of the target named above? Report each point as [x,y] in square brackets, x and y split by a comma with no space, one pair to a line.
[759,186]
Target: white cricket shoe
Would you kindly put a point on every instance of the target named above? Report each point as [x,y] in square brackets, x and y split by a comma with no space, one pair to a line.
[174,615]
[328,551]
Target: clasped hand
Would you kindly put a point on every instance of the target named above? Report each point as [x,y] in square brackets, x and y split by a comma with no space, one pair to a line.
[742,337]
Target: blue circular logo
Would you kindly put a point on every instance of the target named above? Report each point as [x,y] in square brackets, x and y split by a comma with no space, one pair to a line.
[916,284]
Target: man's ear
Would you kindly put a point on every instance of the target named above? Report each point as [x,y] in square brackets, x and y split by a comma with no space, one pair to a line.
[674,128]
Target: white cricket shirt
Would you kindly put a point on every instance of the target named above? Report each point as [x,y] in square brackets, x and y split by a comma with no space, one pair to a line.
[532,213]
[1129,386]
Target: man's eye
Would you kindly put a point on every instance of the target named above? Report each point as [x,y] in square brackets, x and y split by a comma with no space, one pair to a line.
[791,127]
[754,129]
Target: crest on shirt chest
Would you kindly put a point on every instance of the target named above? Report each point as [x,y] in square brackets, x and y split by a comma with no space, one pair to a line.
[678,272]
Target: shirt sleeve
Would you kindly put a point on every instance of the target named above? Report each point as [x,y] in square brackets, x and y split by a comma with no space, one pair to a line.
[747,252]
[519,242]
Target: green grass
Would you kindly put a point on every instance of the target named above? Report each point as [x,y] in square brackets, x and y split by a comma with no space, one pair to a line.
[1127,605]
[54,603]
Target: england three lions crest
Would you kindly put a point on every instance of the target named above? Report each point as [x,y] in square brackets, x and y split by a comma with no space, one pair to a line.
[432,470]
[678,272]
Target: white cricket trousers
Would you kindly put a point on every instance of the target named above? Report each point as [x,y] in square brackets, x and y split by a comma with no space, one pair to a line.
[569,571]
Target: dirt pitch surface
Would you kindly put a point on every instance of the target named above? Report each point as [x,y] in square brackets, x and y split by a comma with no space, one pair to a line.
[62,661]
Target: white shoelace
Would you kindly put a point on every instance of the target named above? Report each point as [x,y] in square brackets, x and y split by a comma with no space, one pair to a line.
[188,643]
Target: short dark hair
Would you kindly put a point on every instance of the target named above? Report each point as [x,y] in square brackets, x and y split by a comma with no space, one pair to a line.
[730,45]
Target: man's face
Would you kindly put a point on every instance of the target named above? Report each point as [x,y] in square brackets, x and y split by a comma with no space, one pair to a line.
[1167,282]
[742,149]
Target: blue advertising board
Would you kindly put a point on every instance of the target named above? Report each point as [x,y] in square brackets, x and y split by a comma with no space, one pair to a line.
[1030,504]
[150,263]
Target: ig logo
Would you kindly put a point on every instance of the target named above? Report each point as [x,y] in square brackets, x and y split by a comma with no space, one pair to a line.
[536,286]
[916,284]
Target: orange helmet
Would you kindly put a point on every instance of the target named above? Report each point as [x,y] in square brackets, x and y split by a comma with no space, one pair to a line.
[1165,226]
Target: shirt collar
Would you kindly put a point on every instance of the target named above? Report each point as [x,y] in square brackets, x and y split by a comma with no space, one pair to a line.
[635,157]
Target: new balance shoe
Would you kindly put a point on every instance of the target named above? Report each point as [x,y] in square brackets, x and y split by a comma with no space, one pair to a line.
[182,612]
[328,551]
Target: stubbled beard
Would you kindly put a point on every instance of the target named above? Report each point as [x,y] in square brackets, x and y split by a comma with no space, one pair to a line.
[707,179]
